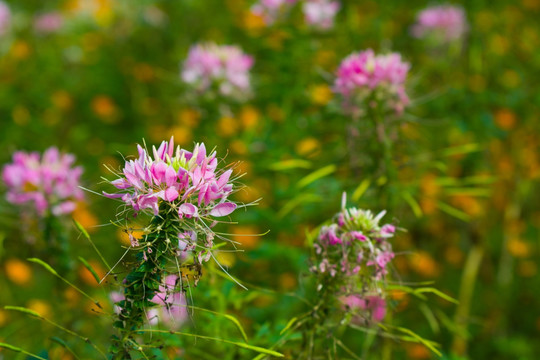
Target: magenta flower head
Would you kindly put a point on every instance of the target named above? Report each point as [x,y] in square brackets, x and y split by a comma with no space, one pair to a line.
[365,79]
[272,10]
[48,183]
[214,70]
[320,14]
[48,23]
[441,23]
[351,258]
[5,18]
[175,180]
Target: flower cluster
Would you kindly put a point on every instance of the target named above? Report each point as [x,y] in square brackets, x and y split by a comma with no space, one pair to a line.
[223,69]
[366,79]
[185,185]
[320,14]
[5,17]
[48,23]
[351,256]
[272,10]
[443,23]
[170,307]
[49,182]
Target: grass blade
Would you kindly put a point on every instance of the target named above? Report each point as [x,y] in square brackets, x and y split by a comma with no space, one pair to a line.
[235,343]
[19,350]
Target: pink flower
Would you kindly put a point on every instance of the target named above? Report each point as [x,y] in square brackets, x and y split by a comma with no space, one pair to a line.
[177,177]
[444,22]
[48,22]
[171,305]
[365,76]
[375,306]
[5,18]
[320,13]
[225,68]
[272,10]
[48,182]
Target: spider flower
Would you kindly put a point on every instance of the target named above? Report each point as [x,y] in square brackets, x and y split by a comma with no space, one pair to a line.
[48,23]
[351,256]
[364,79]
[272,10]
[49,183]
[320,14]
[185,193]
[187,181]
[211,68]
[185,186]
[443,23]
[5,17]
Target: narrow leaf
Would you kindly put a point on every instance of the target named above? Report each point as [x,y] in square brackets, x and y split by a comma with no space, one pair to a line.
[300,199]
[23,310]
[288,326]
[87,236]
[238,325]
[17,349]
[290,164]
[81,229]
[239,344]
[90,268]
[450,210]
[436,292]
[361,189]
[462,149]
[317,174]
[415,207]
[52,271]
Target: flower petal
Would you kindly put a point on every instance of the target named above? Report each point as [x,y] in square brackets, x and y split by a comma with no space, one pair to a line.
[223,209]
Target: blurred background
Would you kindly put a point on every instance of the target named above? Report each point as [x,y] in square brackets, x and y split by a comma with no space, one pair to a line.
[99,76]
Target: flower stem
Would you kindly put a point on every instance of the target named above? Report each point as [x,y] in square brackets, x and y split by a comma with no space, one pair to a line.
[140,286]
[468,280]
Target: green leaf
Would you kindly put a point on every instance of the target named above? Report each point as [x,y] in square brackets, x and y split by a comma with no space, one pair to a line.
[317,174]
[436,292]
[288,326]
[238,325]
[300,199]
[81,229]
[427,343]
[45,265]
[64,345]
[415,207]
[23,310]
[462,149]
[87,236]
[290,164]
[90,268]
[361,189]
[468,192]
[236,343]
[52,271]
[17,349]
[450,210]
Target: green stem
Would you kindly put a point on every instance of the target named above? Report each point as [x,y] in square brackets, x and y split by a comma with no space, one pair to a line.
[57,243]
[140,286]
[468,280]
